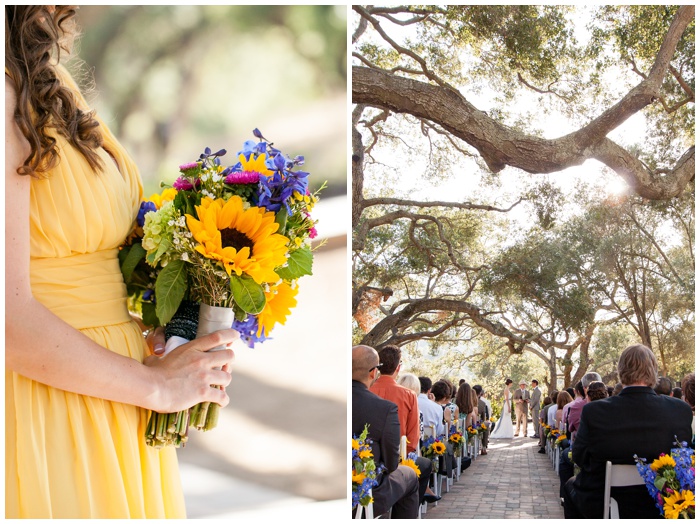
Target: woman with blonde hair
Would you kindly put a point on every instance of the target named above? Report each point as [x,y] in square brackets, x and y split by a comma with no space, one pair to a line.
[79,383]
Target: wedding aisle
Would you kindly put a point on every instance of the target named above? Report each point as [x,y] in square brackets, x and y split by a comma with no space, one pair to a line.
[512,482]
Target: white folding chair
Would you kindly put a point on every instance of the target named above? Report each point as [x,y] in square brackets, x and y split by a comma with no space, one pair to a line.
[556,459]
[437,478]
[618,475]
[448,476]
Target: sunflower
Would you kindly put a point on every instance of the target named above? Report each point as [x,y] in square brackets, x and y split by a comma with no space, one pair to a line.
[355,444]
[439,448]
[411,464]
[256,165]
[677,502]
[278,304]
[244,241]
[365,453]
[663,461]
[358,478]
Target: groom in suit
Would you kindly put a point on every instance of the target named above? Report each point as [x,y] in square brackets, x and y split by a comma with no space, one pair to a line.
[522,403]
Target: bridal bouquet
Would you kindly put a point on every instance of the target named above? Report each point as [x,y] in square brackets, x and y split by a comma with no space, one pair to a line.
[670,480]
[364,470]
[226,247]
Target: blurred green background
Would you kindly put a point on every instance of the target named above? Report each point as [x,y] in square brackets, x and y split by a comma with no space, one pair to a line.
[171,80]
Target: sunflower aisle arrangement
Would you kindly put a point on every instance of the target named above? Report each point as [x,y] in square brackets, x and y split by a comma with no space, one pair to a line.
[364,470]
[231,242]
[457,440]
[433,449]
[670,480]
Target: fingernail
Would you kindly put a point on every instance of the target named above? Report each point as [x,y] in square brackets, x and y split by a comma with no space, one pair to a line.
[158,349]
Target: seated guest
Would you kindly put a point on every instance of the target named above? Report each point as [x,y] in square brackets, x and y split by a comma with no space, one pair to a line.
[546,406]
[409,415]
[442,391]
[562,400]
[432,413]
[664,386]
[572,411]
[466,404]
[484,412]
[637,421]
[616,389]
[677,393]
[688,388]
[398,485]
[596,391]
[552,411]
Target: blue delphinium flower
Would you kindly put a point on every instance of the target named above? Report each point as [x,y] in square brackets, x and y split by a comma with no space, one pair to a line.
[146,207]
[248,330]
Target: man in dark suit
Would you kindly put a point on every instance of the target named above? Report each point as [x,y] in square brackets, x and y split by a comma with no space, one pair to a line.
[637,421]
[398,485]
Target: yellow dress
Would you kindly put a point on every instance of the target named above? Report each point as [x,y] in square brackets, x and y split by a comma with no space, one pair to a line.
[69,455]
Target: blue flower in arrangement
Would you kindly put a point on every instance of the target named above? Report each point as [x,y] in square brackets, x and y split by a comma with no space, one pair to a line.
[248,330]
[146,207]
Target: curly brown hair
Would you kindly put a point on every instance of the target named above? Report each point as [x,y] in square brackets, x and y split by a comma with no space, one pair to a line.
[33,44]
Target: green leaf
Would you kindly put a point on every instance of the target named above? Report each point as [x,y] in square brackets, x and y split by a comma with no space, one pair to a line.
[148,314]
[164,246]
[281,219]
[249,296]
[133,257]
[171,285]
[299,264]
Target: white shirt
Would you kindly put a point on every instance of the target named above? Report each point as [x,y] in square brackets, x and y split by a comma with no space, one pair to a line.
[432,413]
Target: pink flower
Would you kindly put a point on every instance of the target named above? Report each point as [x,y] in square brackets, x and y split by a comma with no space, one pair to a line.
[182,184]
[190,170]
[243,177]
[313,233]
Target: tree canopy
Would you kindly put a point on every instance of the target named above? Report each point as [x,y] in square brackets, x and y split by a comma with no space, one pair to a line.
[474,241]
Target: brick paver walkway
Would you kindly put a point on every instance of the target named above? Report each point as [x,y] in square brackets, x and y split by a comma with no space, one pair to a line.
[512,482]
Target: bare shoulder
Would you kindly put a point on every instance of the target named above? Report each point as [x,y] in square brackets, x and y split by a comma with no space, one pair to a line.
[16,145]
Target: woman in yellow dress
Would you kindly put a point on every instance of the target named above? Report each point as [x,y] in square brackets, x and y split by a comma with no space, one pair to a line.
[78,381]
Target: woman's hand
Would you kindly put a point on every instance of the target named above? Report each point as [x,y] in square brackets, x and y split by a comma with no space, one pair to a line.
[185,376]
[156,341]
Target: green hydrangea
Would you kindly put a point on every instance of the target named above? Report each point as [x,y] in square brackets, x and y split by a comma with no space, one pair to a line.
[158,233]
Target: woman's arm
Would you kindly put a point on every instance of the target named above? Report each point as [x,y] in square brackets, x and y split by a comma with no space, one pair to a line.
[61,356]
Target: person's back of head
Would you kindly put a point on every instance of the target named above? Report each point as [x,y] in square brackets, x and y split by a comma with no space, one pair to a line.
[425,384]
[554,395]
[364,362]
[677,393]
[479,390]
[563,398]
[637,366]
[571,392]
[409,381]
[390,357]
[688,387]
[663,386]
[578,388]
[464,398]
[547,401]
[441,391]
[597,391]
[589,377]
[617,389]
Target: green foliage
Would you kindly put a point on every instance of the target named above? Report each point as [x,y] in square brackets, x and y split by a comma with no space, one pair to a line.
[299,264]
[171,285]
[248,294]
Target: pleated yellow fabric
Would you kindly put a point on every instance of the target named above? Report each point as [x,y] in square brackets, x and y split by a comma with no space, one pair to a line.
[69,455]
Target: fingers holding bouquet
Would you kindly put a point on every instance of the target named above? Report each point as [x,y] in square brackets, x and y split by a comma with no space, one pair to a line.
[185,376]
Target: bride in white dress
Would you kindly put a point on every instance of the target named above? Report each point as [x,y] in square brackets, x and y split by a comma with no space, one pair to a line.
[504,425]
